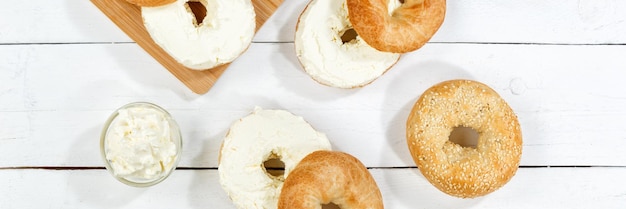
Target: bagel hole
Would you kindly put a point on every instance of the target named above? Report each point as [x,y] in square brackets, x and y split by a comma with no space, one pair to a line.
[274,167]
[464,136]
[348,36]
[198,9]
[330,206]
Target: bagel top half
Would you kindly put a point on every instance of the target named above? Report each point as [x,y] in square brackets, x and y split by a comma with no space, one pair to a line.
[401,30]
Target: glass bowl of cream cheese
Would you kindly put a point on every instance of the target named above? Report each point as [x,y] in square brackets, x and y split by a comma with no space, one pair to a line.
[141,144]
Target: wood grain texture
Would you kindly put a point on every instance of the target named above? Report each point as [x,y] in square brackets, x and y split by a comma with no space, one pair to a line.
[128,18]
[572,188]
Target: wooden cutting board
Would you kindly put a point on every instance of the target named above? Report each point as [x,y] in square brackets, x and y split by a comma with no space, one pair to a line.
[128,18]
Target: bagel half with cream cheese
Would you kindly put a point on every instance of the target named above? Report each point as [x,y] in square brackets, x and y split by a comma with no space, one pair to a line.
[330,60]
[224,33]
[256,138]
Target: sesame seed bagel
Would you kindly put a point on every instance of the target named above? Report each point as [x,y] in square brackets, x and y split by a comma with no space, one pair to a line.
[324,177]
[465,172]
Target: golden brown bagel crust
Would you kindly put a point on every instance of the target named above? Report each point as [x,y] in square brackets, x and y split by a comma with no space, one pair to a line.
[407,29]
[323,177]
[150,3]
[458,171]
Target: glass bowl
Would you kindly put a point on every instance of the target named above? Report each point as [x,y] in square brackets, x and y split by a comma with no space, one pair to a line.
[140,144]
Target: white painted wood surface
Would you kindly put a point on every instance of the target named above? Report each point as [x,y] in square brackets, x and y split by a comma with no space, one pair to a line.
[508,21]
[572,188]
[566,97]
[560,64]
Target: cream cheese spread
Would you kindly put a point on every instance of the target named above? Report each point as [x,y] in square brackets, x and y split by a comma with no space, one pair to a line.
[251,141]
[326,58]
[225,32]
[139,144]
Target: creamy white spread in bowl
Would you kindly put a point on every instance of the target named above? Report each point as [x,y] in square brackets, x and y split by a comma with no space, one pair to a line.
[141,144]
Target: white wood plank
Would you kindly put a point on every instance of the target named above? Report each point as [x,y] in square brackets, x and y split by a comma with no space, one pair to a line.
[401,188]
[535,21]
[56,21]
[55,98]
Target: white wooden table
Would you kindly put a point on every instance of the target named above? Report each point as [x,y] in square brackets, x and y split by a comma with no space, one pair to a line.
[64,67]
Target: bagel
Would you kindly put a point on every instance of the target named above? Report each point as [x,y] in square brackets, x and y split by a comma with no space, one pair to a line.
[260,136]
[150,3]
[459,171]
[407,29]
[224,33]
[324,55]
[325,177]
